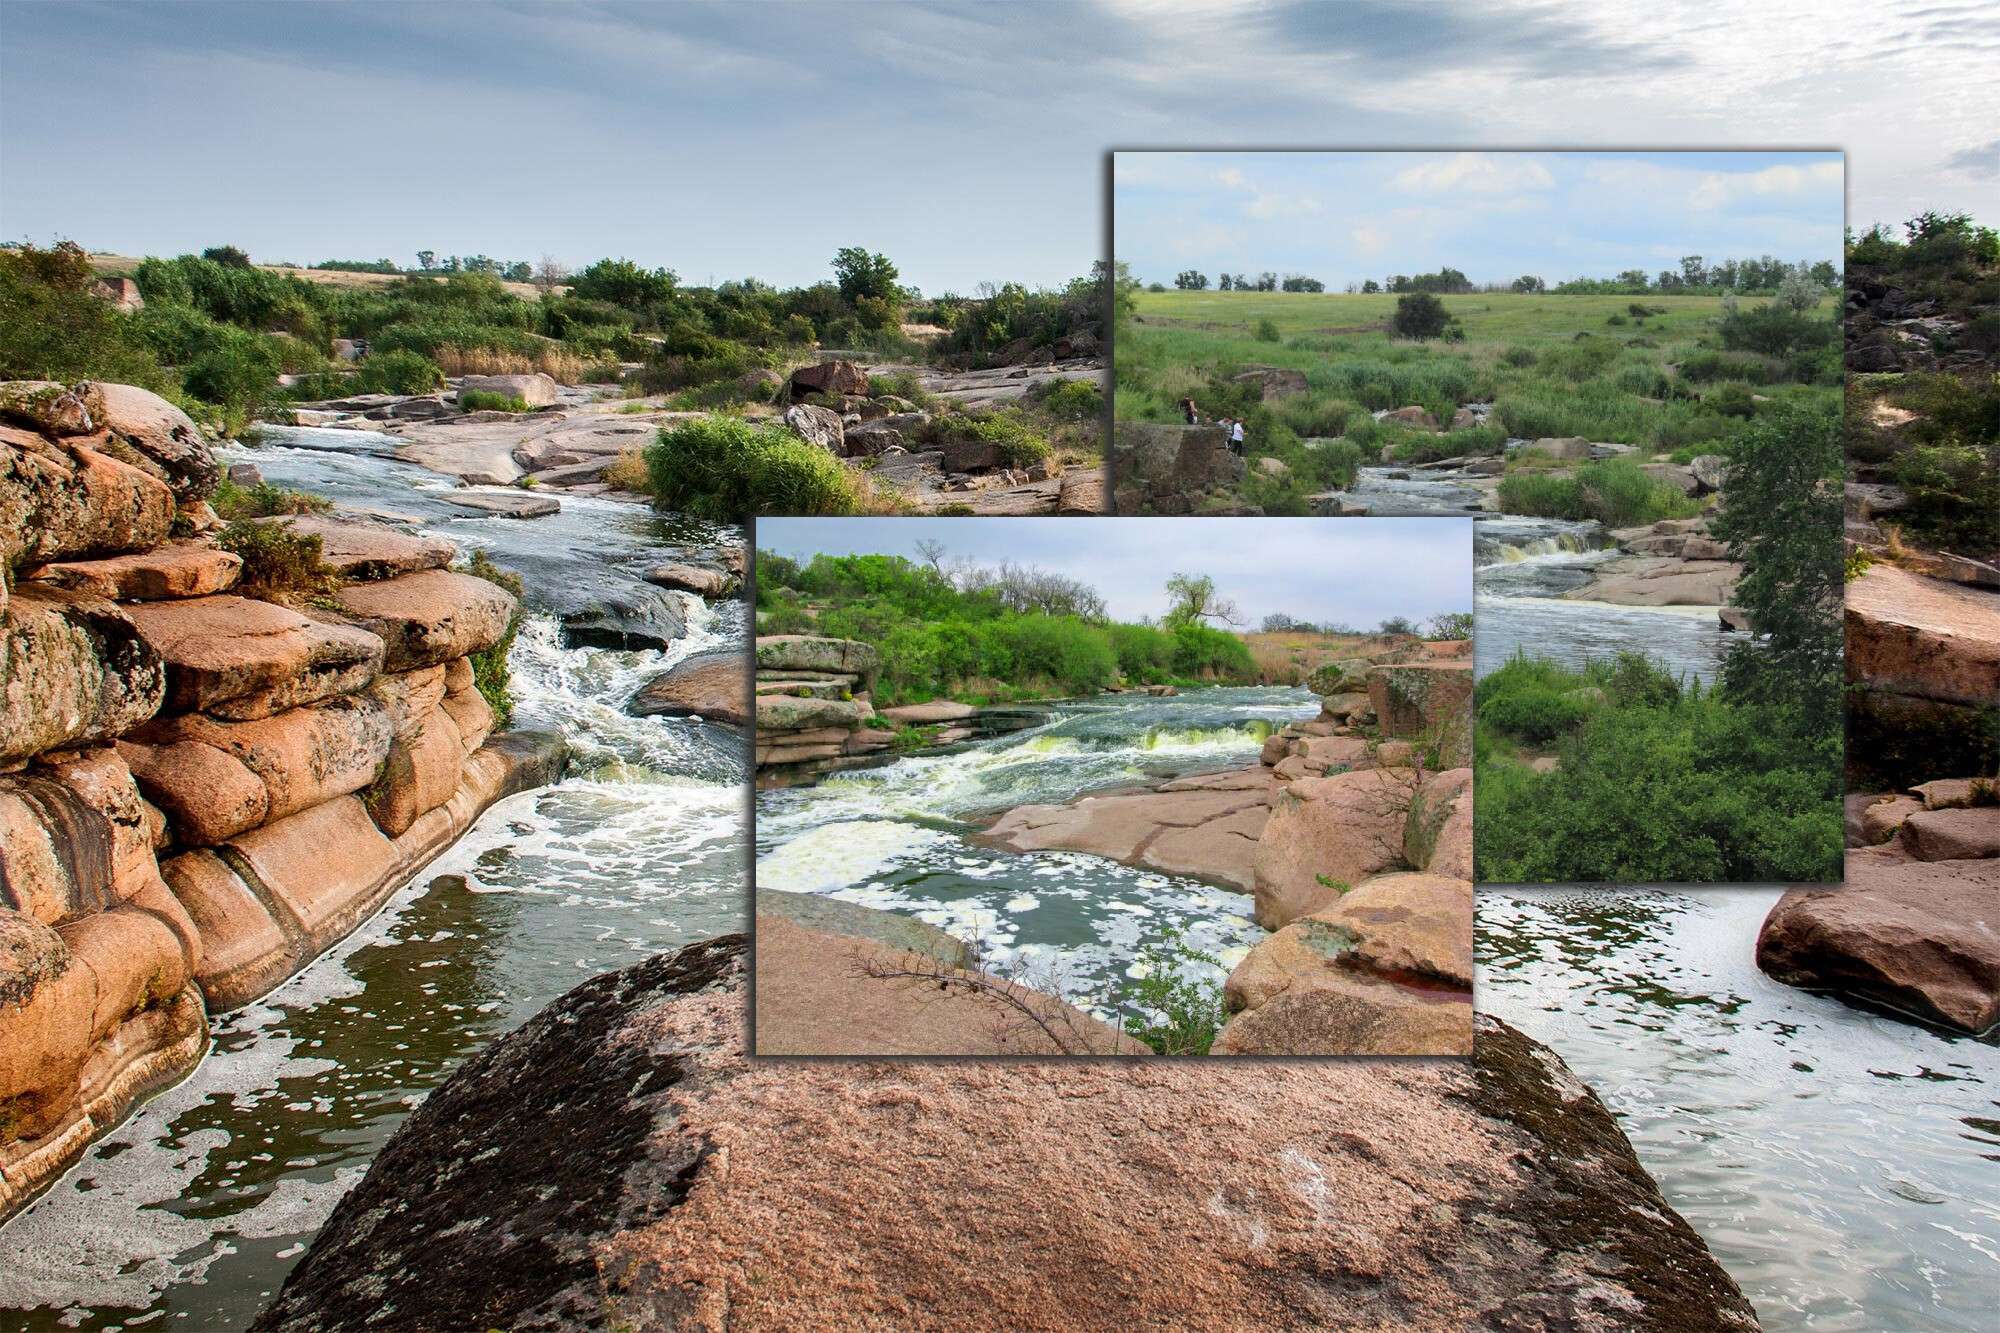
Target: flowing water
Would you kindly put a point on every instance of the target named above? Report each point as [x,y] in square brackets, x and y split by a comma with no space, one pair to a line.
[1521,568]
[190,1214]
[902,837]
[1843,1167]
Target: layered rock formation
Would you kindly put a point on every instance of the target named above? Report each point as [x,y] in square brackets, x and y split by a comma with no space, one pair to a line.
[1673,562]
[619,1162]
[815,715]
[199,790]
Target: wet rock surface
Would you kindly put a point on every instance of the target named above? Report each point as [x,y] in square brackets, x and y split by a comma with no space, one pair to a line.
[618,1161]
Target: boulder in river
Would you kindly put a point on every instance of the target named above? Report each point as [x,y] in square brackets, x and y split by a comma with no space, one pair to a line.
[1912,936]
[707,685]
[619,1160]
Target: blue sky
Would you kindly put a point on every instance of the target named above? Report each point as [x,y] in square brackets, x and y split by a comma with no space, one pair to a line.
[1345,217]
[966,140]
[1355,572]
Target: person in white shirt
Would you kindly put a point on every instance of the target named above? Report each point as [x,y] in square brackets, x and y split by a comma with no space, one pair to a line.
[1236,437]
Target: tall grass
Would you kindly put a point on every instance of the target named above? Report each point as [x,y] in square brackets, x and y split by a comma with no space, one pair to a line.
[1614,492]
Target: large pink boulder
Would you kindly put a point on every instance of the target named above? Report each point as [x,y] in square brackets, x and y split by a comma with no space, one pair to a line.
[241,659]
[1326,835]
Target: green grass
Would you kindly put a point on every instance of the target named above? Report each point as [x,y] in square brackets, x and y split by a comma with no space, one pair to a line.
[1614,492]
[485,400]
[1549,364]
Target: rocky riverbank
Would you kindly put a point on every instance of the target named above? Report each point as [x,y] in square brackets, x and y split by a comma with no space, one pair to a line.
[200,789]
[1354,837]
[815,714]
[619,1161]
[570,439]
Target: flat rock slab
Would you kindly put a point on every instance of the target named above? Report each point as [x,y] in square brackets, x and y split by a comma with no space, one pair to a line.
[179,569]
[578,1165]
[242,659]
[1206,831]
[706,685]
[429,617]
[833,916]
[1963,834]
[1919,637]
[507,504]
[808,652]
[1645,580]
[815,997]
[691,578]
[921,715]
[1917,937]
[364,550]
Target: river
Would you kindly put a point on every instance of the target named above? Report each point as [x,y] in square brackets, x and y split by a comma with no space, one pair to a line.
[1844,1167]
[903,838]
[190,1214]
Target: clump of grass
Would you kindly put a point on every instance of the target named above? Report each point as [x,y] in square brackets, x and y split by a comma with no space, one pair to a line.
[485,400]
[725,469]
[279,565]
[490,672]
[1614,492]
[264,500]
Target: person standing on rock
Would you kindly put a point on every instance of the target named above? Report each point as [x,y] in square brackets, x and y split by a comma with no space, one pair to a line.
[1236,438]
[1187,410]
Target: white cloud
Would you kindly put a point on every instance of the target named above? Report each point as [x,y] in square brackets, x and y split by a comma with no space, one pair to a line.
[1370,240]
[1720,189]
[1475,173]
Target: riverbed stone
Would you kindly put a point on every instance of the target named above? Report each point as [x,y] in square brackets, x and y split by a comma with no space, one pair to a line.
[506,504]
[242,659]
[1426,699]
[923,715]
[1348,1014]
[417,775]
[429,617]
[707,583]
[834,916]
[178,569]
[807,652]
[1922,638]
[706,685]
[469,710]
[1207,829]
[817,425]
[1958,834]
[73,669]
[1414,923]
[537,390]
[1915,937]
[1325,835]
[780,713]
[164,439]
[369,551]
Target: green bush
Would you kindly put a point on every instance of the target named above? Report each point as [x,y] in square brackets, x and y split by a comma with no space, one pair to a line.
[1658,782]
[1178,1012]
[279,564]
[264,500]
[1267,331]
[53,326]
[398,372]
[724,469]
[1070,400]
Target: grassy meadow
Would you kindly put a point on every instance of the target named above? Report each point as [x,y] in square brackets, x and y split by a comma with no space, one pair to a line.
[1672,375]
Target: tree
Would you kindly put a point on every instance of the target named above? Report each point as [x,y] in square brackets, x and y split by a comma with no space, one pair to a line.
[550,274]
[518,271]
[1449,625]
[1798,292]
[860,275]
[1527,284]
[1191,281]
[1280,623]
[1371,287]
[229,255]
[1694,271]
[624,283]
[1298,282]
[1781,520]
[1396,626]
[1419,315]
[932,552]
[1192,600]
[1223,282]
[427,260]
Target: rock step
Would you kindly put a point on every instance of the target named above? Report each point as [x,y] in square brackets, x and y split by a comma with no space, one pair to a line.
[243,659]
[368,551]
[179,569]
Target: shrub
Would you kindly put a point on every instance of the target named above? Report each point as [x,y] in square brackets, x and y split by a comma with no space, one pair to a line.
[264,500]
[1179,1013]
[398,371]
[1021,445]
[54,326]
[279,565]
[1614,492]
[724,469]
[1267,331]
[1419,315]
[1070,400]
[490,670]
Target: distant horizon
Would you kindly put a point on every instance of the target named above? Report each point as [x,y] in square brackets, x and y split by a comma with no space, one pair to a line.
[1302,567]
[726,142]
[1350,216]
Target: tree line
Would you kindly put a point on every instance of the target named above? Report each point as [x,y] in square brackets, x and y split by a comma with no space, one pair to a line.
[1695,275]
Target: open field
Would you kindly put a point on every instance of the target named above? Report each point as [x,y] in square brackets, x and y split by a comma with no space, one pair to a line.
[124,266]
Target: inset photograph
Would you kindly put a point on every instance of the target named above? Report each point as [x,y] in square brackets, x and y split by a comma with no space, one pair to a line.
[1627,367]
[1153,786]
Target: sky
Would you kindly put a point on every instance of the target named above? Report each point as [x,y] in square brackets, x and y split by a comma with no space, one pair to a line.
[1356,572]
[965,140]
[1345,217]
